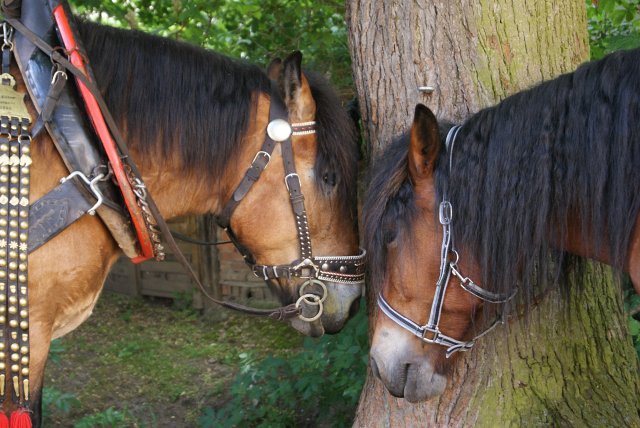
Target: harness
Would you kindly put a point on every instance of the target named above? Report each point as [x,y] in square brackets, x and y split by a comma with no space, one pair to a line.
[430,332]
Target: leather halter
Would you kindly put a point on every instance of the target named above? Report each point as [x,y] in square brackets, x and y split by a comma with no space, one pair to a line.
[340,269]
[430,332]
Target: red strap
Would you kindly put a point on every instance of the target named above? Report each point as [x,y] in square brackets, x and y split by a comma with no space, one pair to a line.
[146,245]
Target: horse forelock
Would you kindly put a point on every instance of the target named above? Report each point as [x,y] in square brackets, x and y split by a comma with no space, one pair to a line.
[387,207]
[337,142]
[561,155]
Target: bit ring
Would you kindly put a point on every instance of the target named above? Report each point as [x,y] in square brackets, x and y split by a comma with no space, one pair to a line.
[316,301]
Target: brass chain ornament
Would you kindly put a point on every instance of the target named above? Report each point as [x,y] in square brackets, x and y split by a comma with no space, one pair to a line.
[15,162]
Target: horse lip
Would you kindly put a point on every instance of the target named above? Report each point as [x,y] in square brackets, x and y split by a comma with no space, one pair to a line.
[312,329]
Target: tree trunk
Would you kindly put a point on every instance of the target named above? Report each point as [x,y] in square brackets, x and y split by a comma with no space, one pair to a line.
[568,364]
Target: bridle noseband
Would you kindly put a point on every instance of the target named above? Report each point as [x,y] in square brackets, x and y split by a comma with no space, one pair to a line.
[340,269]
[430,332]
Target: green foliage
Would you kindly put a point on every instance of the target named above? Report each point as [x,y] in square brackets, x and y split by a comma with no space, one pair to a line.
[613,25]
[106,419]
[257,30]
[61,401]
[321,383]
[55,351]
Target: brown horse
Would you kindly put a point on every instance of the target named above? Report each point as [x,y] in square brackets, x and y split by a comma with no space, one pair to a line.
[194,121]
[456,219]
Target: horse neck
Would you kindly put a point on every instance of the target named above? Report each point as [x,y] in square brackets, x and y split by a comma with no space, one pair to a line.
[178,191]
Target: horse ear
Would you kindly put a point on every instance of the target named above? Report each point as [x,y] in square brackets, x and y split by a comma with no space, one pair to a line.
[424,145]
[297,92]
[274,69]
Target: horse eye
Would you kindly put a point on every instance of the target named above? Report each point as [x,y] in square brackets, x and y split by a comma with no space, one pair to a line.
[329,179]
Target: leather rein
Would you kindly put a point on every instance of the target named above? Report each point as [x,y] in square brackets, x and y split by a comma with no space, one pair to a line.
[347,269]
[430,332]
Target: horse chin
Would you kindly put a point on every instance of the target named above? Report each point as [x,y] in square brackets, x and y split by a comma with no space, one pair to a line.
[423,383]
[313,328]
[403,371]
[342,302]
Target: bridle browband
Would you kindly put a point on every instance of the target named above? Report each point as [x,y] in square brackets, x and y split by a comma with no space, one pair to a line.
[340,269]
[430,332]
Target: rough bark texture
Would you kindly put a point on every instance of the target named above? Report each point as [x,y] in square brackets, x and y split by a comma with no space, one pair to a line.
[571,364]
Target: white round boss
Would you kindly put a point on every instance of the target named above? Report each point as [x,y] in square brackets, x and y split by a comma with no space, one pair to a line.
[279,130]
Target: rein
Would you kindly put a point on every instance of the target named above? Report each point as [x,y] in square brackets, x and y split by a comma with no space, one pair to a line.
[430,332]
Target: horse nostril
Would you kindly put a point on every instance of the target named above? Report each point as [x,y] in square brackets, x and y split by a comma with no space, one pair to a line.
[374,368]
[353,309]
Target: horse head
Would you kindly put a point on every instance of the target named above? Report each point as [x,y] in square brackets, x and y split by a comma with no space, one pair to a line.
[415,340]
[302,209]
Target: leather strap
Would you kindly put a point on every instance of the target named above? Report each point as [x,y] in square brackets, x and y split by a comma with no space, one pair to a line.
[55,211]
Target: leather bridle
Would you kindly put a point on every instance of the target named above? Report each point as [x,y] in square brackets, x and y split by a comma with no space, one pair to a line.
[430,332]
[347,270]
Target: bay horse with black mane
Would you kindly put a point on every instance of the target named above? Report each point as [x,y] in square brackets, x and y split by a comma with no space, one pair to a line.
[459,218]
[195,121]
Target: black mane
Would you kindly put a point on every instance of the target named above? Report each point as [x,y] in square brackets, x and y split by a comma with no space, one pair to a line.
[566,149]
[174,98]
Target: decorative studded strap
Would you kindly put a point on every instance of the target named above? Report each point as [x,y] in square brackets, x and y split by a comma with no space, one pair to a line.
[15,161]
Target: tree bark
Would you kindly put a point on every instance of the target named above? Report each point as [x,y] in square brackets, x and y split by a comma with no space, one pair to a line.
[571,361]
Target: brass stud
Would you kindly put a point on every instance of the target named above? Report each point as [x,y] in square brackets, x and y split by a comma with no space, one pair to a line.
[24,214]
[23,290]
[3,319]
[15,368]
[26,149]
[3,262]
[22,267]
[13,323]
[24,360]
[3,222]
[13,300]
[13,254]
[23,224]
[23,302]
[13,265]
[23,237]
[3,298]
[4,147]
[13,212]
[23,256]
[15,347]
[15,357]
[2,355]
[2,346]
[24,313]
[24,181]
[4,169]
[3,366]
[3,233]
[3,274]
[25,371]
[24,350]
[13,180]
[22,278]
[13,234]
[24,191]
[24,325]
[13,277]
[24,170]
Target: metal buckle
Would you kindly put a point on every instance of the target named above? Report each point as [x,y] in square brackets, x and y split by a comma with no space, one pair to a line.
[433,331]
[92,185]
[286,180]
[307,264]
[445,213]
[263,153]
